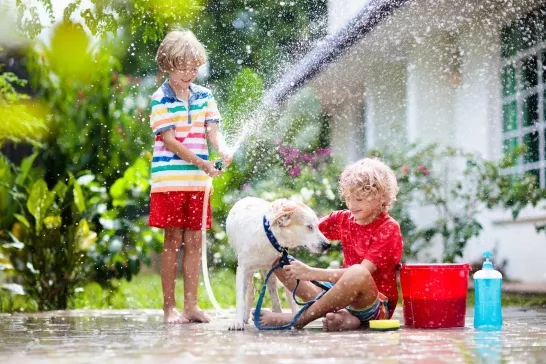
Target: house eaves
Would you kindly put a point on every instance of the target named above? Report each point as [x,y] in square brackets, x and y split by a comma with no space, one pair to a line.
[330,48]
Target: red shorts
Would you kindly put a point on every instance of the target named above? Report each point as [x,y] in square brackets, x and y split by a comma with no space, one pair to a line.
[178,209]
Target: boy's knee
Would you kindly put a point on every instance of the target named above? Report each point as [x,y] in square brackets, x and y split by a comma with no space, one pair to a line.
[173,241]
[358,274]
[172,246]
[192,239]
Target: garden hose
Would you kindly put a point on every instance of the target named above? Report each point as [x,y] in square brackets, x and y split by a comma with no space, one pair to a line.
[204,247]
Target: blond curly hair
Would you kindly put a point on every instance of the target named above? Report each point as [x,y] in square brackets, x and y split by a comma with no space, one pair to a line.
[178,49]
[369,177]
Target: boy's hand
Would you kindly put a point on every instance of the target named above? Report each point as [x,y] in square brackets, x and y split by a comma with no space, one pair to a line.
[209,169]
[299,270]
[227,157]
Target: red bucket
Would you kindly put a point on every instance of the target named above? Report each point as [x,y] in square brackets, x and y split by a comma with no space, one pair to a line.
[434,295]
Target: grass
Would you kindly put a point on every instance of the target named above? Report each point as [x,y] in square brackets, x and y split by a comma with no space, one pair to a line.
[509,299]
[144,291]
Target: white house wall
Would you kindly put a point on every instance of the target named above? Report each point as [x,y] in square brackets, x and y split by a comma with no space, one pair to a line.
[384,108]
[520,245]
[385,105]
[347,136]
[477,108]
[430,92]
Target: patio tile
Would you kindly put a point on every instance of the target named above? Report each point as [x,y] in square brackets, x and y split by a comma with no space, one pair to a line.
[118,336]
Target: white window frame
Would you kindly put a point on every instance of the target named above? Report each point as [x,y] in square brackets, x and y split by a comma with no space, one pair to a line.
[519,96]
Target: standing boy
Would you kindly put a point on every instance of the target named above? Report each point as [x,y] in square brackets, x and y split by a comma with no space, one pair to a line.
[183,116]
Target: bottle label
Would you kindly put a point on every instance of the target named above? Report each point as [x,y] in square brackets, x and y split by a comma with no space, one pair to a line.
[488,309]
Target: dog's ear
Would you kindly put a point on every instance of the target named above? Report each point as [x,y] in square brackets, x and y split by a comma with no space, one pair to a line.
[283,220]
[283,211]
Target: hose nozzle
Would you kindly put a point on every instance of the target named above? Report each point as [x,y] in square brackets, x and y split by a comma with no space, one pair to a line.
[218,164]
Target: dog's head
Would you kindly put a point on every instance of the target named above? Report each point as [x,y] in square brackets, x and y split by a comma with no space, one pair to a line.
[295,224]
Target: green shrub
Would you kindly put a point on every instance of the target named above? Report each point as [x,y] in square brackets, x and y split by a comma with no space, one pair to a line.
[458,186]
[58,239]
[125,240]
[48,250]
[22,120]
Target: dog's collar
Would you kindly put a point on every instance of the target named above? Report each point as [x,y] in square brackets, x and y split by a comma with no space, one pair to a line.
[271,237]
[285,260]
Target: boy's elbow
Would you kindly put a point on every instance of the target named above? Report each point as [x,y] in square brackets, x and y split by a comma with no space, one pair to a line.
[169,143]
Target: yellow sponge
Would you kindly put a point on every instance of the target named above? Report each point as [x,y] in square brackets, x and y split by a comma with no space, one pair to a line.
[384,325]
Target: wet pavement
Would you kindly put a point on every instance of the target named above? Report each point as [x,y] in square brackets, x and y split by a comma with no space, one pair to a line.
[139,336]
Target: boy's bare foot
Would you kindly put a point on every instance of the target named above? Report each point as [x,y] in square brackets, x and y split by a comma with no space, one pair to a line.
[268,318]
[339,321]
[196,315]
[172,316]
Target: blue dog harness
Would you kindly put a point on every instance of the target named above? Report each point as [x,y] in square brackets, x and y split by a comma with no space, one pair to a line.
[285,260]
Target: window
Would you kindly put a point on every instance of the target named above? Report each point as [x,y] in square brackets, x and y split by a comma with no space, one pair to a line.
[523,78]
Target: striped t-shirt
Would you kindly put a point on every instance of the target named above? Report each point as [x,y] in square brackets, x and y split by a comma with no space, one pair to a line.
[169,172]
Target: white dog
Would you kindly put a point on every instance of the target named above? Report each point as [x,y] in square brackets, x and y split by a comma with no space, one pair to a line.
[291,224]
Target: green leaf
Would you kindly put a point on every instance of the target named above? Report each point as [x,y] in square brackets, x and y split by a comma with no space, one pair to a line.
[53,222]
[6,175]
[23,220]
[39,201]
[60,189]
[84,237]
[117,190]
[26,166]
[70,9]
[79,198]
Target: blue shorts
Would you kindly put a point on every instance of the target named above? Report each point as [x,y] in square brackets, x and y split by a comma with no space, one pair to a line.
[379,310]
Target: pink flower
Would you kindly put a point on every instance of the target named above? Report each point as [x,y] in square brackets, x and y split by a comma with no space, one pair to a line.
[246,186]
[423,169]
[324,152]
[294,171]
[405,169]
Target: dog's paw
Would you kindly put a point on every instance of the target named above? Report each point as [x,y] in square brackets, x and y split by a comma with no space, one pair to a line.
[236,326]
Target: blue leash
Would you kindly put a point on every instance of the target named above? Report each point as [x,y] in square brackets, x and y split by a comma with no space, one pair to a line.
[285,260]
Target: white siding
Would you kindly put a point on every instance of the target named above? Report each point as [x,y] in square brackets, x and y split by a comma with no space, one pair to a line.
[477,103]
[431,91]
[347,133]
[385,101]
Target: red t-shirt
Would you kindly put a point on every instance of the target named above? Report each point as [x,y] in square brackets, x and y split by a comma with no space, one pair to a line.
[379,241]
